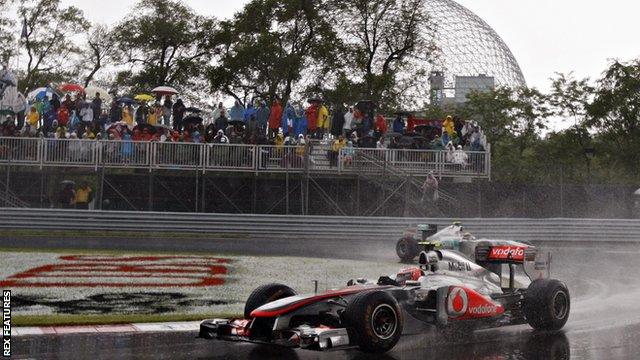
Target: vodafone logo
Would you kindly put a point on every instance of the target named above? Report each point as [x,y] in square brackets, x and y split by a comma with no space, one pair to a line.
[484,310]
[458,302]
[507,253]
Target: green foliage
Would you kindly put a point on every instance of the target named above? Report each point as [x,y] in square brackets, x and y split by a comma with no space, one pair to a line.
[164,42]
[7,39]
[49,43]
[268,46]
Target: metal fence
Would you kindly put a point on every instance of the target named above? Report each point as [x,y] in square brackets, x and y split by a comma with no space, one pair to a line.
[302,228]
[239,157]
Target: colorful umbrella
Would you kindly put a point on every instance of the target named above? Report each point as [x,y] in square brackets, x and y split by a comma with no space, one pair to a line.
[91,92]
[125,100]
[164,90]
[40,93]
[71,88]
[144,97]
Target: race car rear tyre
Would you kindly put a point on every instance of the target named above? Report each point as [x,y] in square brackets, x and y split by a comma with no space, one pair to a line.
[547,304]
[374,321]
[407,249]
[265,294]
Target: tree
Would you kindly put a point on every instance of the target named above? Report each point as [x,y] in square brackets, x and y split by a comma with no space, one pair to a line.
[615,112]
[99,50]
[7,40]
[269,46]
[49,41]
[165,42]
[387,47]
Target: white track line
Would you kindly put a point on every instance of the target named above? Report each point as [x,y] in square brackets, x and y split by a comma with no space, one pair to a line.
[117,328]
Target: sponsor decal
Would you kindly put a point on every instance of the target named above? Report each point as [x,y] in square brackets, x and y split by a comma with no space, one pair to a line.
[459,266]
[458,302]
[464,304]
[124,271]
[6,323]
[513,253]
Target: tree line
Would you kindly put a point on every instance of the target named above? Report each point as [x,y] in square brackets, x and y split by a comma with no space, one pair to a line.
[342,51]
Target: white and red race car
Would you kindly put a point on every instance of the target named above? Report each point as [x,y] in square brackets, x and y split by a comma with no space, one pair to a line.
[447,291]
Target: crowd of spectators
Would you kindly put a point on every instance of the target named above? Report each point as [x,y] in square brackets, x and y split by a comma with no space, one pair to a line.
[164,120]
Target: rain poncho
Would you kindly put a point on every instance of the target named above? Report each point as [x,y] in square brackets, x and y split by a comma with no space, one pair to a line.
[398,125]
[312,117]
[288,118]
[381,124]
[236,112]
[300,125]
[348,120]
[323,117]
[262,116]
[275,117]
[448,126]
[250,111]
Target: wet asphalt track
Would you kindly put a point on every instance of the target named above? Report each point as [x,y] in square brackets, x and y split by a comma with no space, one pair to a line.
[604,281]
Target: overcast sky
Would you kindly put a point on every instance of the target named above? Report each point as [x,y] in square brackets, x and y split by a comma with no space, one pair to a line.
[546,36]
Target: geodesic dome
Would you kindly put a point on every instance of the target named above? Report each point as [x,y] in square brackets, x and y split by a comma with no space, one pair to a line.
[468,46]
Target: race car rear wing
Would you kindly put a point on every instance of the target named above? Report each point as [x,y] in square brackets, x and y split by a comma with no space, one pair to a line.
[505,254]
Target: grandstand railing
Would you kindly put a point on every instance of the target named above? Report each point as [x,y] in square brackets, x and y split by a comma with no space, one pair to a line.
[239,157]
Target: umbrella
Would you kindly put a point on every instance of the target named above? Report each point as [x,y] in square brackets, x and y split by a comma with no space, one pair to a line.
[193,110]
[164,90]
[91,92]
[125,100]
[420,128]
[144,97]
[67,182]
[40,93]
[402,113]
[314,100]
[192,120]
[71,88]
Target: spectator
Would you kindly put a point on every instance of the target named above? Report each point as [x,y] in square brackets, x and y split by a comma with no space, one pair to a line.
[450,149]
[275,118]
[63,116]
[460,157]
[300,125]
[220,138]
[349,151]
[219,111]
[115,113]
[55,102]
[398,125]
[69,104]
[86,113]
[67,196]
[337,122]
[127,116]
[288,119]
[448,126]
[381,126]
[96,106]
[336,147]
[33,118]
[142,113]
[221,122]
[430,188]
[348,122]
[323,121]
[262,117]
[84,195]
[237,112]
[248,113]
[178,114]
[167,107]
[312,118]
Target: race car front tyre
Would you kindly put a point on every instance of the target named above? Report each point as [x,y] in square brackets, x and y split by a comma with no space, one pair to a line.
[547,304]
[374,321]
[265,294]
[407,249]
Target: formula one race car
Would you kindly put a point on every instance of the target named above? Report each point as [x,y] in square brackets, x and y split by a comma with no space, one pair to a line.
[447,291]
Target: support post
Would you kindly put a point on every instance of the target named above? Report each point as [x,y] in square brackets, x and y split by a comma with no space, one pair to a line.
[6,187]
[202,193]
[254,194]
[151,173]
[100,196]
[286,207]
[197,197]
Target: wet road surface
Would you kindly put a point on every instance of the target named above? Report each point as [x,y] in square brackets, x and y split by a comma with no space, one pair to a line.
[604,281]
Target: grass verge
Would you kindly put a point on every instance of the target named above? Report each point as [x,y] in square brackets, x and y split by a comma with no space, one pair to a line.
[60,320]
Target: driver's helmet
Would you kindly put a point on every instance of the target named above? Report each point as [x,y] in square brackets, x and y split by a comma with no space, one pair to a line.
[467,236]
